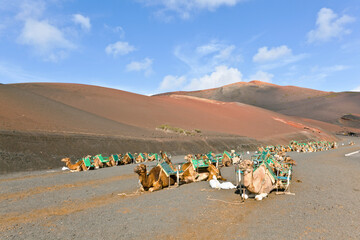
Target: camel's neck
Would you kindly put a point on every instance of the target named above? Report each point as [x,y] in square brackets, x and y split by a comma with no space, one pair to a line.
[248,181]
[253,180]
[168,161]
[144,180]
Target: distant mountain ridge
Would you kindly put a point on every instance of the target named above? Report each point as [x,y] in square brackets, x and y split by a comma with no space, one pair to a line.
[288,100]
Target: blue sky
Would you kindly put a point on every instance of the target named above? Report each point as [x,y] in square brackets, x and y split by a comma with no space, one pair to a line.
[152,46]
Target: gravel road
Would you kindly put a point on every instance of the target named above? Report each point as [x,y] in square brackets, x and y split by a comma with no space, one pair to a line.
[105,204]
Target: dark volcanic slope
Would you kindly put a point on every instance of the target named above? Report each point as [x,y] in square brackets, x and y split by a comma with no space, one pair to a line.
[289,100]
[329,108]
[260,94]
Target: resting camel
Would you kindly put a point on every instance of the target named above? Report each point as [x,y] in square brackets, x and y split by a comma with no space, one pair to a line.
[142,157]
[77,167]
[191,175]
[155,180]
[112,161]
[226,161]
[151,157]
[259,181]
[126,159]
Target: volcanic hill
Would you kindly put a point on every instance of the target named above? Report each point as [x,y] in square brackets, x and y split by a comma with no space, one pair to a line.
[329,107]
[42,122]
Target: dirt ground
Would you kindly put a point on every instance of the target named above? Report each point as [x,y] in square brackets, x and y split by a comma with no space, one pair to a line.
[105,204]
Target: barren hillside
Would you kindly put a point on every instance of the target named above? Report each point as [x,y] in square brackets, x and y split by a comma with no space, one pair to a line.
[289,100]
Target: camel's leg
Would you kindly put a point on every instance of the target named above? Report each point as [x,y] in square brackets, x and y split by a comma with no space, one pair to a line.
[244,196]
[202,176]
[221,178]
[83,167]
[156,186]
[261,196]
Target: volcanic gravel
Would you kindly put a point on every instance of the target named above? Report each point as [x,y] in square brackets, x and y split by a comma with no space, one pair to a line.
[105,204]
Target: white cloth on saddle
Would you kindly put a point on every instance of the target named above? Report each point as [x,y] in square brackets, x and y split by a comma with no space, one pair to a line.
[65,168]
[214,183]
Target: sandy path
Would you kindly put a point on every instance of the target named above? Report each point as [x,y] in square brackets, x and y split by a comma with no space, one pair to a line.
[87,205]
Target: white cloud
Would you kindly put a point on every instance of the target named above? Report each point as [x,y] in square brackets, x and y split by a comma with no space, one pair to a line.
[204,58]
[144,65]
[262,76]
[48,40]
[209,65]
[119,48]
[356,89]
[264,54]
[186,7]
[209,48]
[83,21]
[276,57]
[221,76]
[329,25]
[172,83]
[30,9]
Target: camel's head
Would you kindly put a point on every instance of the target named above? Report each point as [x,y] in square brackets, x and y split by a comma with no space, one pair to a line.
[246,166]
[140,169]
[188,157]
[65,160]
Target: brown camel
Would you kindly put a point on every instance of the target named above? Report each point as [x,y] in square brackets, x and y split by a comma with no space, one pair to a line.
[112,161]
[77,167]
[151,158]
[141,158]
[191,175]
[259,181]
[126,159]
[289,160]
[226,161]
[155,180]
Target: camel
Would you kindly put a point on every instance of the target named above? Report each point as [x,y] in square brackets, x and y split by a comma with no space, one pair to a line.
[259,181]
[191,175]
[142,157]
[126,159]
[289,160]
[119,162]
[226,161]
[155,180]
[77,167]
[152,157]
[95,162]
[112,161]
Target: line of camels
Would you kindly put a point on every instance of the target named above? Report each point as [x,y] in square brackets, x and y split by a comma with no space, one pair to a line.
[270,168]
[98,161]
